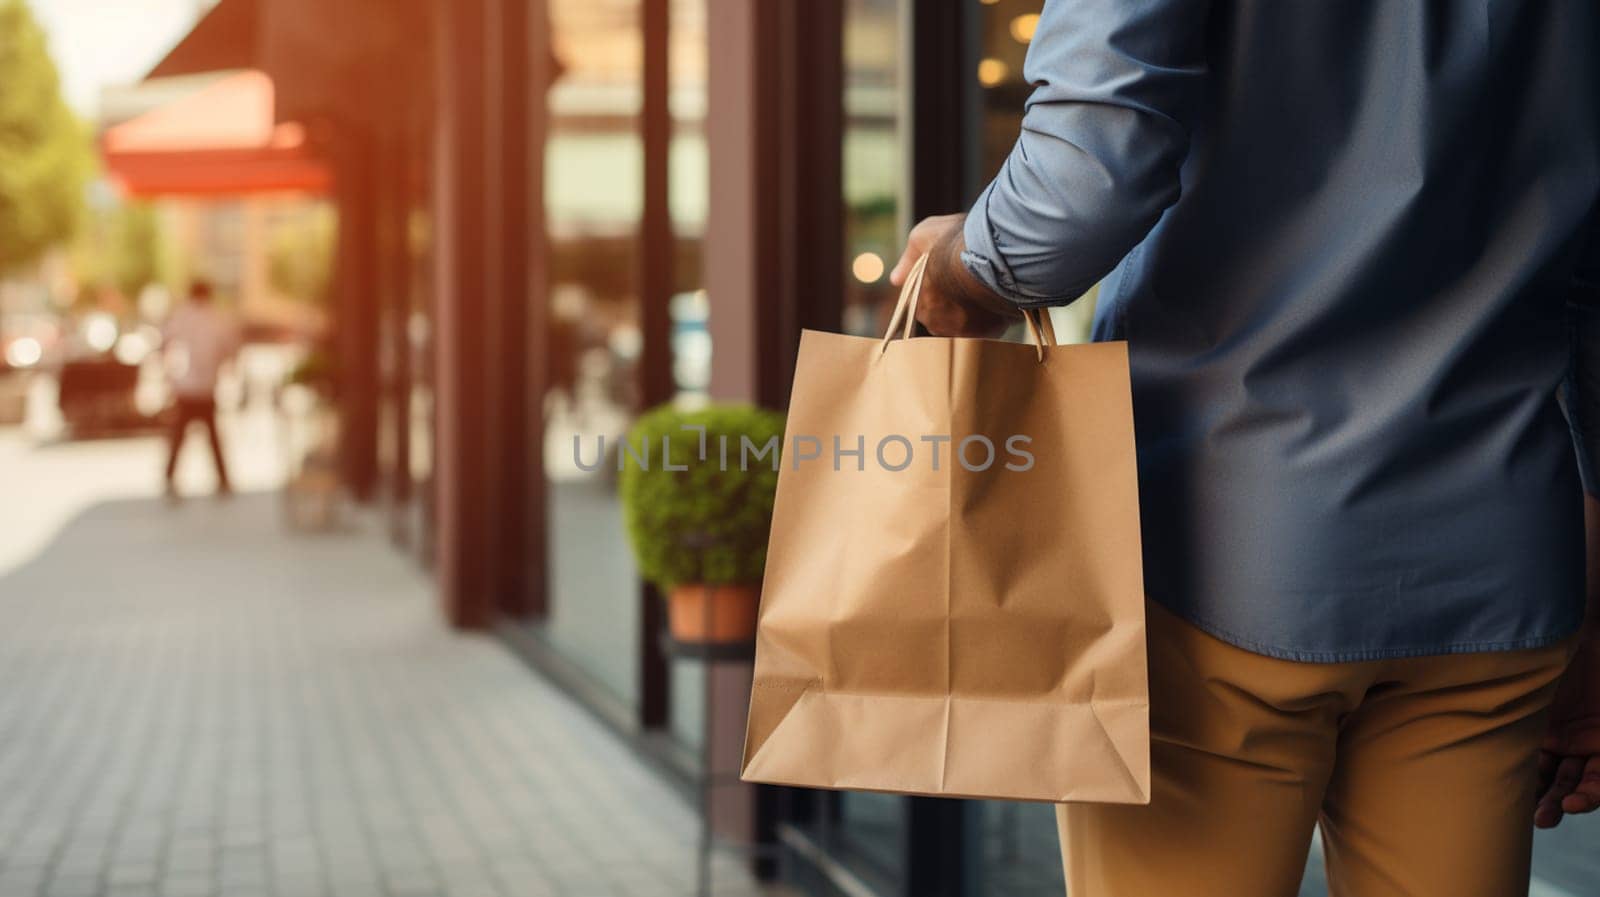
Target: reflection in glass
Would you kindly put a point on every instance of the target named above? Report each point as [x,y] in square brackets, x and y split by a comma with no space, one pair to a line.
[871,830]
[688,193]
[593,178]
[873,159]
[690,309]
[417,340]
[1020,854]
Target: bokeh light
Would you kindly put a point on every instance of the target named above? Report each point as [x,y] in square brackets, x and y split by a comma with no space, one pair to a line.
[1023,26]
[133,348]
[992,71]
[867,267]
[24,352]
[100,332]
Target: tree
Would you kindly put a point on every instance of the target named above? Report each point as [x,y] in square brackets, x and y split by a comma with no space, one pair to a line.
[44,151]
[138,249]
[121,247]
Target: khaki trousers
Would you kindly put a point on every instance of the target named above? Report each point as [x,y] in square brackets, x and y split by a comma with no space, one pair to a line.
[1422,773]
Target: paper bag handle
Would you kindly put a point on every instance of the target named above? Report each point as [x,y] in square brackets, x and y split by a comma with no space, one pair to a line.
[909,293]
[1041,332]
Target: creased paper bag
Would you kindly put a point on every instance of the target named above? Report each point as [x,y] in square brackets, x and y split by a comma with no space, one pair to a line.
[933,625]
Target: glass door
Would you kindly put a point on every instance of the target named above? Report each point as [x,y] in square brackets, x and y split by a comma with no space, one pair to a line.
[873,159]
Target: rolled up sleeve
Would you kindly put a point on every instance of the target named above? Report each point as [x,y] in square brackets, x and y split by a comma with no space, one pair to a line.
[1104,136]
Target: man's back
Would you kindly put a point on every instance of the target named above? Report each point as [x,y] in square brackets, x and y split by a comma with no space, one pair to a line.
[1347,328]
[199,340]
[1352,247]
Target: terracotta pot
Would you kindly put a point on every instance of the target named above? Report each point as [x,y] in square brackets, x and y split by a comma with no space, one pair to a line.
[731,617]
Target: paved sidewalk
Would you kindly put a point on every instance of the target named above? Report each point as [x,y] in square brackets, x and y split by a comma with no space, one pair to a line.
[196,703]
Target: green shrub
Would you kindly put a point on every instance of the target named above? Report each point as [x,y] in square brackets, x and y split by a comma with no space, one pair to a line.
[704,524]
[315,370]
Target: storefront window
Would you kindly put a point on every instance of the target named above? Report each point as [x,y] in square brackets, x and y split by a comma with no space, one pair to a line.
[1007,28]
[593,192]
[871,829]
[418,416]
[1018,849]
[689,309]
[874,159]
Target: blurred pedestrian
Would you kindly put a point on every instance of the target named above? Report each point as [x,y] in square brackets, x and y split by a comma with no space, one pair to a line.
[198,339]
[1349,247]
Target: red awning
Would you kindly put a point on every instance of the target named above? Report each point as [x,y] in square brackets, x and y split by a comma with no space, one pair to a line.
[220,140]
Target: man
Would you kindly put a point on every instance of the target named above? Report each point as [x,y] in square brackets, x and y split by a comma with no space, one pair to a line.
[1340,238]
[197,340]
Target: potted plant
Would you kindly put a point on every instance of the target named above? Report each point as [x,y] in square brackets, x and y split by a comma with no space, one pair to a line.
[699,526]
[312,495]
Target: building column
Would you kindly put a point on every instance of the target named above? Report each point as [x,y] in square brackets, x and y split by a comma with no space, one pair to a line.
[461,321]
[355,331]
[518,59]
[527,106]
[656,247]
[738,147]
[491,275]
[774,249]
[394,356]
[774,231]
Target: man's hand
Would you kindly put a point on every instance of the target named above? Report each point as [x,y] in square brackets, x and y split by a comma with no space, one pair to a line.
[1569,764]
[953,302]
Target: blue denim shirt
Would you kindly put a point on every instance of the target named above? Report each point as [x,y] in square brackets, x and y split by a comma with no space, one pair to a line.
[1341,240]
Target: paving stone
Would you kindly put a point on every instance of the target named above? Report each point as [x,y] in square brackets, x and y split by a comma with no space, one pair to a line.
[72,886]
[142,874]
[186,887]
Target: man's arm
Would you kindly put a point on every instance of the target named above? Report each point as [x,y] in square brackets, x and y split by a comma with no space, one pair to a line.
[1104,137]
[1570,763]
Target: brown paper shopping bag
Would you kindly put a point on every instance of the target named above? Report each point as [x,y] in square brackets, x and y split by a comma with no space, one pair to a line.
[953,602]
